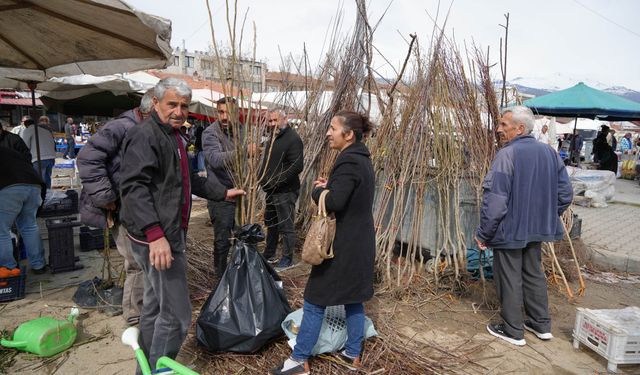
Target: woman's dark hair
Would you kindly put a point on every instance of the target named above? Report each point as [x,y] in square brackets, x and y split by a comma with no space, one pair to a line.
[354,121]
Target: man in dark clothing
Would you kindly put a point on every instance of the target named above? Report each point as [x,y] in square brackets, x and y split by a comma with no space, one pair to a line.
[576,148]
[219,146]
[525,192]
[156,186]
[281,164]
[99,167]
[21,194]
[70,136]
[14,142]
[604,153]
[197,135]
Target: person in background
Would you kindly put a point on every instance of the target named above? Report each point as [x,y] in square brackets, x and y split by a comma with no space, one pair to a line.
[282,162]
[197,139]
[626,145]
[522,172]
[156,185]
[99,163]
[543,136]
[611,139]
[603,153]
[347,278]
[69,136]
[47,147]
[560,141]
[219,146]
[21,194]
[17,130]
[576,148]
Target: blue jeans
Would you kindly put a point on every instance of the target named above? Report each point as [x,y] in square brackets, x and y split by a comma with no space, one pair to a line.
[47,168]
[200,158]
[19,203]
[71,148]
[312,318]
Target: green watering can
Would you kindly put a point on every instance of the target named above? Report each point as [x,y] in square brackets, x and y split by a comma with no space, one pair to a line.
[164,366]
[44,336]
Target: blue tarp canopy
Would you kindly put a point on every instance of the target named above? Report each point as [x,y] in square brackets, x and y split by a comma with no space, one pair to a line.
[585,102]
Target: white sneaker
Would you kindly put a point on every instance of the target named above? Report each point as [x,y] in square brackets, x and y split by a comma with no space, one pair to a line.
[542,336]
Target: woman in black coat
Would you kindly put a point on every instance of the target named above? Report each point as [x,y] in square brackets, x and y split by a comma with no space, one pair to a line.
[346,279]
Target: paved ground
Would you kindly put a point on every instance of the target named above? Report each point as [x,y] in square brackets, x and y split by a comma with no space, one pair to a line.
[611,233]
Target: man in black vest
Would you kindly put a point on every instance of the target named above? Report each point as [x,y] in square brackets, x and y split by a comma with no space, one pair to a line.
[281,164]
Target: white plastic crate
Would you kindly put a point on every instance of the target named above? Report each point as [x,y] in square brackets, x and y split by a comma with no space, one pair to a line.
[58,182]
[614,334]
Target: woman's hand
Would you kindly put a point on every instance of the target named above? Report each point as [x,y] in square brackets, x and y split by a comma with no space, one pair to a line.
[321,182]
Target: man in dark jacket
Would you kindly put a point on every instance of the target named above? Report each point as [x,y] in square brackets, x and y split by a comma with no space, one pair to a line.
[281,164]
[99,166]
[525,192]
[219,146]
[576,148]
[156,186]
[21,194]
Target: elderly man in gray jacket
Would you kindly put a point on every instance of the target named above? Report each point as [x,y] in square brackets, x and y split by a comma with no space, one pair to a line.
[99,166]
[525,192]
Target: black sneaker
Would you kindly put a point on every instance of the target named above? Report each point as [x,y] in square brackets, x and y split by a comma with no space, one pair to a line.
[284,263]
[351,363]
[498,331]
[40,271]
[291,367]
[541,335]
[272,259]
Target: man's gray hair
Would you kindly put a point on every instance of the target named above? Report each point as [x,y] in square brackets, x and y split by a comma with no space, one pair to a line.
[170,83]
[146,103]
[280,112]
[521,115]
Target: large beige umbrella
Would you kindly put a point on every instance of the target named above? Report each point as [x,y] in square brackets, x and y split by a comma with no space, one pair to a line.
[41,39]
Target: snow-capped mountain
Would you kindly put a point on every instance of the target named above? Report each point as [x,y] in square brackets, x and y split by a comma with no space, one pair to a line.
[543,85]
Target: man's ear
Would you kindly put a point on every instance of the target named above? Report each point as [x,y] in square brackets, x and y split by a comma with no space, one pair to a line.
[521,129]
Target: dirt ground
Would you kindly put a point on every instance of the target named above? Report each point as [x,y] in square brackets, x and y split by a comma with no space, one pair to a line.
[436,322]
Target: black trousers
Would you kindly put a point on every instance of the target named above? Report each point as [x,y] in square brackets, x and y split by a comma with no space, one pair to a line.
[222,216]
[520,281]
[279,217]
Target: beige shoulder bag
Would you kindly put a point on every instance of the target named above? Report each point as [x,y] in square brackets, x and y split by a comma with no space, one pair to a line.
[318,245]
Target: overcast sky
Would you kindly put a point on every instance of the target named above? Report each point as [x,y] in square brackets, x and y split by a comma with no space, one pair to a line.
[597,40]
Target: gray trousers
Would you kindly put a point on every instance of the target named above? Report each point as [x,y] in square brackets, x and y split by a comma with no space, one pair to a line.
[166,312]
[133,290]
[279,217]
[222,214]
[519,280]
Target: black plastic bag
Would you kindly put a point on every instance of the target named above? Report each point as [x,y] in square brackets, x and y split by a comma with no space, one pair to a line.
[248,306]
[95,293]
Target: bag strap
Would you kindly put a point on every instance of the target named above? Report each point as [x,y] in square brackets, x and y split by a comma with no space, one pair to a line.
[322,206]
